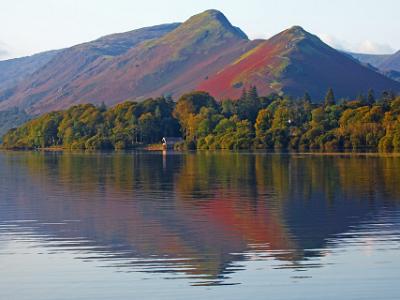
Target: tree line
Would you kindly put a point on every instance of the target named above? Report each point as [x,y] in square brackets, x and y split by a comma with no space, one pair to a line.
[250,122]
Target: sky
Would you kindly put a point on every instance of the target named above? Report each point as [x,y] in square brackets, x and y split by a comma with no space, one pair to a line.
[32,26]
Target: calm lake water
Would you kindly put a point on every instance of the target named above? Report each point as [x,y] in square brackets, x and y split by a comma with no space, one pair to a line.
[199,226]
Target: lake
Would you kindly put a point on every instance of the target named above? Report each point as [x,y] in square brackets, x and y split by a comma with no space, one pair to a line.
[205,225]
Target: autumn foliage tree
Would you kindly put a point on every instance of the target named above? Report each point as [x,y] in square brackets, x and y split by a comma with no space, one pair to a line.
[269,122]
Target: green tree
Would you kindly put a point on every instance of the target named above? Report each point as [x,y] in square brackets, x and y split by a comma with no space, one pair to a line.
[248,105]
[330,98]
[188,106]
[371,97]
[307,98]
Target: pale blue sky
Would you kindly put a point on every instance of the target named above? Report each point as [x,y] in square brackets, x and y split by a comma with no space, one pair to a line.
[31,26]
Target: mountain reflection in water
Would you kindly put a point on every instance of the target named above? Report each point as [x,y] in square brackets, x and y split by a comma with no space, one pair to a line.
[198,215]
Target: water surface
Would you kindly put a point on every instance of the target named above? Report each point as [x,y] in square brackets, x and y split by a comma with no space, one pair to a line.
[207,225]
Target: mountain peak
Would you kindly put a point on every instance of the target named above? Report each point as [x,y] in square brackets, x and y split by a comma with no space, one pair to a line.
[296,32]
[212,21]
[213,13]
[296,35]
[297,29]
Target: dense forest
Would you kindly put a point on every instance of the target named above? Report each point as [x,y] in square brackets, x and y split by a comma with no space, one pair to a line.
[251,122]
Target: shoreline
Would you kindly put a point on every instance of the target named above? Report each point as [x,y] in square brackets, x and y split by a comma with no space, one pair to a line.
[242,151]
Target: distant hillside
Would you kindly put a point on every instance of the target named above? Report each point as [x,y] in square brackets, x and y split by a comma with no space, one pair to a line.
[395,75]
[389,65]
[295,61]
[12,118]
[17,69]
[372,59]
[55,79]
[383,62]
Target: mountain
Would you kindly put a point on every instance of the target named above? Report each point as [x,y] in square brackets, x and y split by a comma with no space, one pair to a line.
[205,52]
[53,80]
[175,63]
[172,64]
[17,69]
[295,61]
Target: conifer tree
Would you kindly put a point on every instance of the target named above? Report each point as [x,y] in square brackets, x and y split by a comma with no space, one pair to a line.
[243,97]
[103,107]
[330,97]
[361,98]
[307,97]
[371,97]
[252,95]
